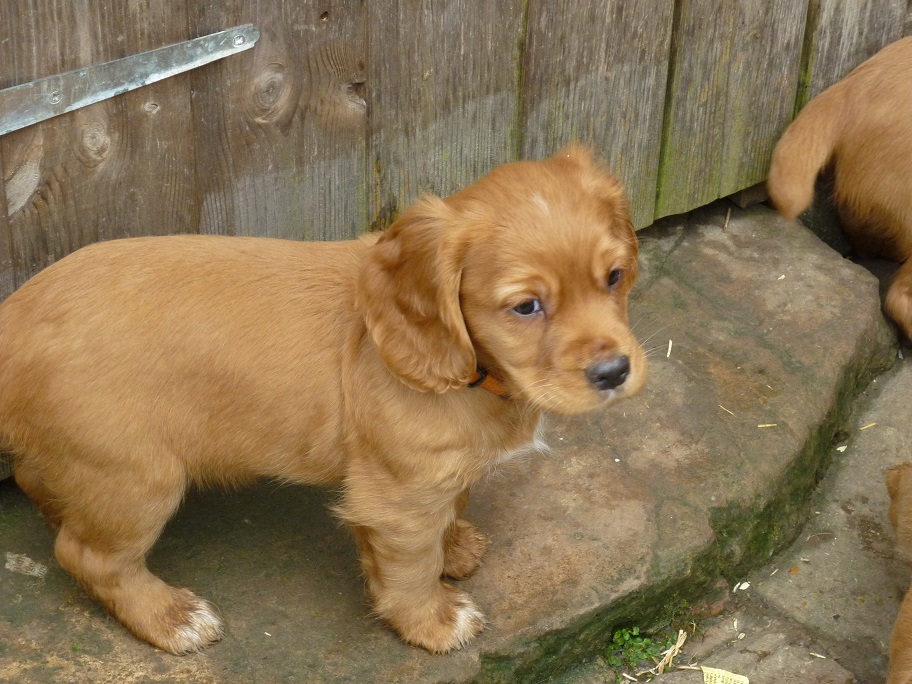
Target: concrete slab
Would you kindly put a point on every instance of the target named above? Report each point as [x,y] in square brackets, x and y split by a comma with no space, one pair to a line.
[637,510]
[823,610]
[844,580]
[766,648]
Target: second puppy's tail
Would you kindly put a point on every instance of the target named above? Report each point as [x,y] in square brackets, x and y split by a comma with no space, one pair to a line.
[804,149]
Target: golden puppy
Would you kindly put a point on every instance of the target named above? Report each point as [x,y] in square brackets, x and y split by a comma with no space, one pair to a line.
[899,485]
[133,369]
[863,127]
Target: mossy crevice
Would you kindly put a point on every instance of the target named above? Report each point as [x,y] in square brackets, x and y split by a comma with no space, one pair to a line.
[748,535]
[557,652]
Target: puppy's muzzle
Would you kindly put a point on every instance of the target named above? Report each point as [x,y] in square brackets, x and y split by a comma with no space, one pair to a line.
[609,375]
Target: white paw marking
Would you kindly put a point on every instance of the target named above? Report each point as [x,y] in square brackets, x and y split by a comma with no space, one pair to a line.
[203,629]
[469,621]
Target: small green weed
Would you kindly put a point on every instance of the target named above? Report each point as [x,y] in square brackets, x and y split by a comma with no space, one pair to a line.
[630,650]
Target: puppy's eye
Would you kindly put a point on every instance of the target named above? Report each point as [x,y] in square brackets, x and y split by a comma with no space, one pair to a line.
[529,307]
[615,277]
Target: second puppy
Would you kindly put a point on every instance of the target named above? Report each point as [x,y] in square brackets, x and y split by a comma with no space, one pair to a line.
[899,485]
[862,126]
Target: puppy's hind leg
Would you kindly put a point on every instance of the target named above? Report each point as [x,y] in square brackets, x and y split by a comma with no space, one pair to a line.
[898,302]
[103,541]
[30,481]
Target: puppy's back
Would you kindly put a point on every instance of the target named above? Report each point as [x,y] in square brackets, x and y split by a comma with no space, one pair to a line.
[147,340]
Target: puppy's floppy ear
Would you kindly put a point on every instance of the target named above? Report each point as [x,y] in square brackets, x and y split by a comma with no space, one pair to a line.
[408,294]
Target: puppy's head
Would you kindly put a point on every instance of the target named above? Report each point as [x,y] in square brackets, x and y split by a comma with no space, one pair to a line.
[524,273]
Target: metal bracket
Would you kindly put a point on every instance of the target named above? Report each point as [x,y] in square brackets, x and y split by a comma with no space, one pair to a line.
[29,103]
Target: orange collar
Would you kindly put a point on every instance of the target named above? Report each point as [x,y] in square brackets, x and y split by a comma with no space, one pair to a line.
[493,384]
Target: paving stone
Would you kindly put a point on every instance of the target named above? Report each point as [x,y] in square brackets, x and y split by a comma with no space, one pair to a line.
[823,610]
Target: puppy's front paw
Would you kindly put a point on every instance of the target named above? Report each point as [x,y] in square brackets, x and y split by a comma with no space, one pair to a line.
[470,622]
[463,549]
[454,624]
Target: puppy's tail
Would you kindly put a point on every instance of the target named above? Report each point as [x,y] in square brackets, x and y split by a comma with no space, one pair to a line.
[804,149]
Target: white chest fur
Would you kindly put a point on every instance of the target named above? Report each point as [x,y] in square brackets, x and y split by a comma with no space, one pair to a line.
[536,446]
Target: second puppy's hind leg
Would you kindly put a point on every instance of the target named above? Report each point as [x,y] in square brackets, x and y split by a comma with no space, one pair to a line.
[898,302]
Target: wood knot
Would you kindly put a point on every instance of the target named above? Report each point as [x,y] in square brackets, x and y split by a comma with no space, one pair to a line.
[273,94]
[95,143]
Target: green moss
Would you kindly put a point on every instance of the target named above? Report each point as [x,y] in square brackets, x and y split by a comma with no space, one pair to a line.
[808,55]
[651,610]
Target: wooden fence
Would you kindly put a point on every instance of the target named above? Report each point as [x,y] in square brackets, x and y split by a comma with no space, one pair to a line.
[345,111]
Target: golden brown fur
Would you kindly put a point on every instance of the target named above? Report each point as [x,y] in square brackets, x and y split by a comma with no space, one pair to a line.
[133,369]
[861,125]
[899,485]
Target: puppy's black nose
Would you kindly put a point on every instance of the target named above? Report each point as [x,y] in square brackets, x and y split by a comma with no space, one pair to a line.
[606,375]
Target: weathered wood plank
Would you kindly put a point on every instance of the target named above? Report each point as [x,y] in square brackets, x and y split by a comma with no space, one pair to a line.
[7,282]
[763,78]
[734,75]
[841,34]
[116,168]
[443,78]
[596,73]
[689,168]
[278,141]
[281,128]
